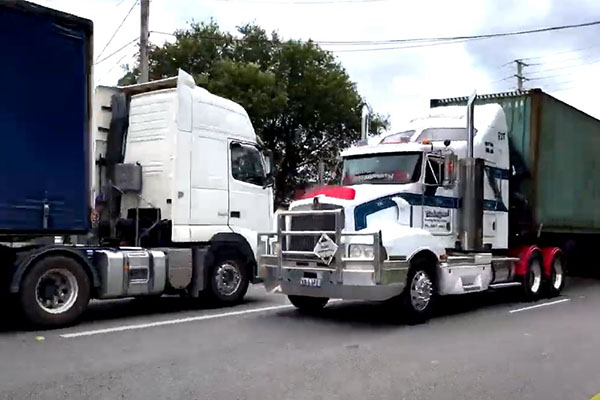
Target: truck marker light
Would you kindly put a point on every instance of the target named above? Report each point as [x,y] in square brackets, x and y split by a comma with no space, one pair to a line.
[426,141]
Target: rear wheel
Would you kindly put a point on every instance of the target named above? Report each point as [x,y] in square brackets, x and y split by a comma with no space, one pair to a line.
[308,304]
[229,279]
[532,280]
[419,296]
[556,280]
[54,292]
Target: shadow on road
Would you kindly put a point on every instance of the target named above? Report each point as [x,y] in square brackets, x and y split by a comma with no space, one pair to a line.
[384,315]
[354,313]
[369,314]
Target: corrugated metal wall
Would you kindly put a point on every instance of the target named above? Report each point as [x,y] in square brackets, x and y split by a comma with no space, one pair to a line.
[568,181]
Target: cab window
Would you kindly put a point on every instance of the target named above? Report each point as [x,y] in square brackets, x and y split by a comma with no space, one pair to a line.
[434,173]
[246,164]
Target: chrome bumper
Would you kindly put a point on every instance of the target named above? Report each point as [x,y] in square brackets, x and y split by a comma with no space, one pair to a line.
[349,278]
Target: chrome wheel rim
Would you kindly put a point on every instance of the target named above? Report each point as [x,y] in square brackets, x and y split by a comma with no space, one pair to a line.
[56,291]
[535,276]
[228,279]
[420,291]
[558,274]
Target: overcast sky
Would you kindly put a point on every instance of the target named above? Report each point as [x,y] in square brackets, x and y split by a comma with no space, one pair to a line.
[398,82]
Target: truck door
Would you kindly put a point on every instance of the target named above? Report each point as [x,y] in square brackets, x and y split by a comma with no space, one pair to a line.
[249,200]
[438,202]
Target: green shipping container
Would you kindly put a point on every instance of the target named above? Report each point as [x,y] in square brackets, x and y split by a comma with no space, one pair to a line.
[560,147]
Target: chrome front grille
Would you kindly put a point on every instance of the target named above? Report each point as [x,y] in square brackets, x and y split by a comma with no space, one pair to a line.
[310,222]
[298,225]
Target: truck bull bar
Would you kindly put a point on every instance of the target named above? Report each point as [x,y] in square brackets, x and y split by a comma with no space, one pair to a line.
[286,269]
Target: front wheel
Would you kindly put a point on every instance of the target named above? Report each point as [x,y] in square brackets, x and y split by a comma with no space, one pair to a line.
[419,296]
[229,279]
[308,304]
[54,292]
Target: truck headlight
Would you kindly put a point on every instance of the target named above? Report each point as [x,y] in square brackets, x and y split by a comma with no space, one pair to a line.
[360,251]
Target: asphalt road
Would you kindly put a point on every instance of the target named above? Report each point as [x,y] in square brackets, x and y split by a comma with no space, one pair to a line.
[475,348]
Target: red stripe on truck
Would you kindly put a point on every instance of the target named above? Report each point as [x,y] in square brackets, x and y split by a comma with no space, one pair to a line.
[338,192]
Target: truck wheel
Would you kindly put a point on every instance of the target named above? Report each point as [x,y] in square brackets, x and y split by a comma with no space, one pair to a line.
[229,279]
[308,304]
[532,280]
[556,281]
[54,292]
[419,296]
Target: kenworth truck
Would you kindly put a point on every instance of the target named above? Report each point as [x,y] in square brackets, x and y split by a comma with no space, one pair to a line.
[153,188]
[458,202]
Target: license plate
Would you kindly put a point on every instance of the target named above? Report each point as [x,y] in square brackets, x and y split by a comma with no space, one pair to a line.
[310,282]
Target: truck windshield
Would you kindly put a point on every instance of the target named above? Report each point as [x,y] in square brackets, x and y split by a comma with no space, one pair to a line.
[382,168]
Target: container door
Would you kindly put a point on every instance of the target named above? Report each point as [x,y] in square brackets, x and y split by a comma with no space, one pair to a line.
[44,124]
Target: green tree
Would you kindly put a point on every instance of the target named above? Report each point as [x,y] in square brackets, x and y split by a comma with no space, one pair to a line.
[301,101]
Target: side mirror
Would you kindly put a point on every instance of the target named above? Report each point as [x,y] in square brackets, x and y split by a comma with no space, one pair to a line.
[269,161]
[450,169]
[269,181]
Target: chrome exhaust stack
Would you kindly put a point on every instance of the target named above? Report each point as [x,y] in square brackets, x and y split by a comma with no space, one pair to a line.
[471,183]
[365,123]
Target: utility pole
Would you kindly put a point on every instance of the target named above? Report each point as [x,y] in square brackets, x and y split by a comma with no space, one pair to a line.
[145,5]
[321,172]
[520,78]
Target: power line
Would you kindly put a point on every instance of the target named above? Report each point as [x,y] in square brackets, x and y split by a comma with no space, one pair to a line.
[112,68]
[117,30]
[399,47]
[421,42]
[560,52]
[117,51]
[333,50]
[163,33]
[546,77]
[596,61]
[566,60]
[464,37]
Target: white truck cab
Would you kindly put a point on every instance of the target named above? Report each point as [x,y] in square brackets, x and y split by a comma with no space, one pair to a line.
[201,163]
[419,215]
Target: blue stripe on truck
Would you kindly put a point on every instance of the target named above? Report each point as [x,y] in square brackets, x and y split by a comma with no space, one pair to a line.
[363,210]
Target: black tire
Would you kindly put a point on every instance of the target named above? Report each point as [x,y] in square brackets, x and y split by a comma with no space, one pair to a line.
[308,304]
[556,281]
[421,276]
[227,266]
[532,281]
[41,279]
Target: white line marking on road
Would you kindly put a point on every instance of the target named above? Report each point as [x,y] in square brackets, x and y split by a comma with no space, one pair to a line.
[172,322]
[538,306]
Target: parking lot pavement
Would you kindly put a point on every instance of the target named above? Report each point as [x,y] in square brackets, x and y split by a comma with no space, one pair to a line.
[486,346]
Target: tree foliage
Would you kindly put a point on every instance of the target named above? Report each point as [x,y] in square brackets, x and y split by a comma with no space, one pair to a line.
[300,99]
